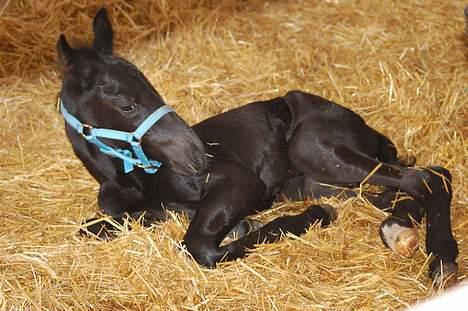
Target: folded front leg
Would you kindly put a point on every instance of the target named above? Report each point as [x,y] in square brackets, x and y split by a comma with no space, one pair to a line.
[233,197]
[233,193]
[121,203]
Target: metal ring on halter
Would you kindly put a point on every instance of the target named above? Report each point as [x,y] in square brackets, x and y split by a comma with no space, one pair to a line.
[88,127]
[143,166]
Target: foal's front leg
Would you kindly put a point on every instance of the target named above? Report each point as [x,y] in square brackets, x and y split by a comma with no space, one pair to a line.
[120,203]
[232,197]
[430,186]
[232,193]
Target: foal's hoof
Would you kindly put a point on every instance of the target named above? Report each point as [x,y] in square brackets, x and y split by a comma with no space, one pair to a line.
[407,243]
[244,227]
[332,213]
[445,274]
[98,229]
[402,240]
[324,213]
[407,160]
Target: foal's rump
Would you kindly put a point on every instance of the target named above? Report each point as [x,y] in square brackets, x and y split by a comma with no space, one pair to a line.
[317,120]
[319,126]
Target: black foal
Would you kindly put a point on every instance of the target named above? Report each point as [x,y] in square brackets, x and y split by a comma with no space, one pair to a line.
[237,163]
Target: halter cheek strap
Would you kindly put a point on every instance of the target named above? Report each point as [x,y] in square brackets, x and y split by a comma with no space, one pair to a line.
[92,135]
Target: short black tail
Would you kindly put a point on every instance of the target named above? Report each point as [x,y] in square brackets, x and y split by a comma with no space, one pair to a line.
[387,150]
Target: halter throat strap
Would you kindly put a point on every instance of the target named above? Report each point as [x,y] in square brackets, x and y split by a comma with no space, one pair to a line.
[130,158]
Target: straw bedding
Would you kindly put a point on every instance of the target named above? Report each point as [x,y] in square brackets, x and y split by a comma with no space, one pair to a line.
[401,65]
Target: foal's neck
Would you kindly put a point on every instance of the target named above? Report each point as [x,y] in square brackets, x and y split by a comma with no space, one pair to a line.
[169,186]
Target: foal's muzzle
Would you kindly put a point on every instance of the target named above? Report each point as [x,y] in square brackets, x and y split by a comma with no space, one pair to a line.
[182,152]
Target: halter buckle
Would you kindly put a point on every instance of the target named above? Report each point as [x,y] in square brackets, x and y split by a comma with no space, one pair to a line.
[86,131]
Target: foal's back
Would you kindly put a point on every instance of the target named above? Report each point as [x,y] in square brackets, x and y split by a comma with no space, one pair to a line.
[265,136]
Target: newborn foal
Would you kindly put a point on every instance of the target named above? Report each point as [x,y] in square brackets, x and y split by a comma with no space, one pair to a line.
[288,146]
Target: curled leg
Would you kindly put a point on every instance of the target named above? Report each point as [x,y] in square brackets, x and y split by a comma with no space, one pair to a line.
[273,231]
[232,194]
[121,203]
[397,230]
[226,204]
[430,187]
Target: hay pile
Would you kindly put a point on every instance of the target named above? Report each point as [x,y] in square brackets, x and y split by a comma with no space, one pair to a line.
[401,65]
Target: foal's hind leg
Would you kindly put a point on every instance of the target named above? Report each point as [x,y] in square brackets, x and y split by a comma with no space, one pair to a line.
[301,187]
[431,187]
[397,230]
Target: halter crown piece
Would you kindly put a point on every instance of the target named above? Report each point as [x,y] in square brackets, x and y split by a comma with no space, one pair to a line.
[92,135]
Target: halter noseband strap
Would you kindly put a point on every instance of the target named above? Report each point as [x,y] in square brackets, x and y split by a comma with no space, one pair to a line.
[91,135]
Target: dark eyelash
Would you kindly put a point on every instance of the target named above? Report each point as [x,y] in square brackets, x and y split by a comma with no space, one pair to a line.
[128,108]
[126,104]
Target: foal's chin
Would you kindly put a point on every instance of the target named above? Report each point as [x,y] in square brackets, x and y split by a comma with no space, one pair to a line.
[187,167]
[182,158]
[189,160]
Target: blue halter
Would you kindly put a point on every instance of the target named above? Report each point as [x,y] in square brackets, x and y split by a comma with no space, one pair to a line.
[91,135]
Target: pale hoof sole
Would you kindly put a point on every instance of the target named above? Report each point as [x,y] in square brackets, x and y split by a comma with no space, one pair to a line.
[407,243]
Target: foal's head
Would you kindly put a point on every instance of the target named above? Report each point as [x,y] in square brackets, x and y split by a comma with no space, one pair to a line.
[106,91]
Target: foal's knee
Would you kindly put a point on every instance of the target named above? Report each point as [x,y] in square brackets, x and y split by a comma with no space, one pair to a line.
[424,183]
[204,253]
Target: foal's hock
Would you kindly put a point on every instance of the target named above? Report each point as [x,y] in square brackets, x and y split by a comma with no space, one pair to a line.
[286,147]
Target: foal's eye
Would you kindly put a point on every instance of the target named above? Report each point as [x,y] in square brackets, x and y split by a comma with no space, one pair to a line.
[126,104]
[128,108]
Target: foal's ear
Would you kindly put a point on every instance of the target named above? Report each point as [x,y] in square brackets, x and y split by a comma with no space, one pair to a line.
[65,52]
[102,32]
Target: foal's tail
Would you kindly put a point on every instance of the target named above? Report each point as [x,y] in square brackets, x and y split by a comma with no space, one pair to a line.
[388,153]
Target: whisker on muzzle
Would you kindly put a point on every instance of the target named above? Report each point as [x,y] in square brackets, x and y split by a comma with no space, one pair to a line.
[193,168]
